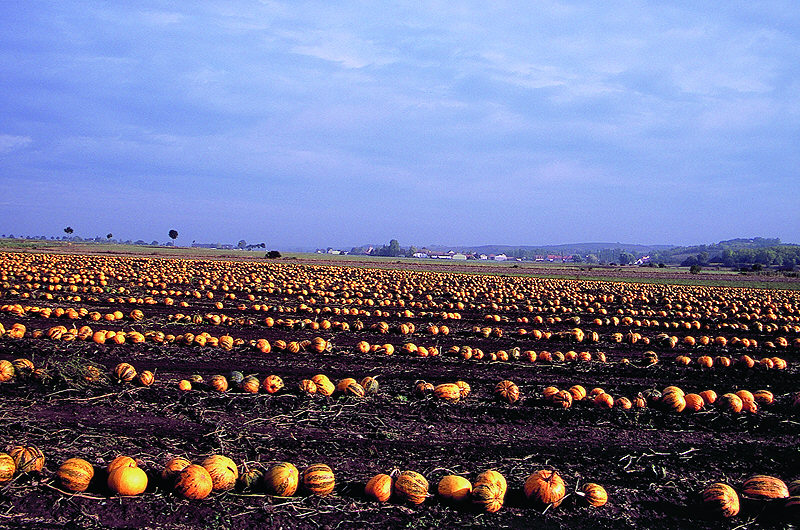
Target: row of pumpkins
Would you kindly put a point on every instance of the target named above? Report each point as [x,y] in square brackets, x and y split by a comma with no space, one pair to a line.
[723,500]
[218,473]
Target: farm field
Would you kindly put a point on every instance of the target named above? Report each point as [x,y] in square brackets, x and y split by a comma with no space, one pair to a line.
[591,360]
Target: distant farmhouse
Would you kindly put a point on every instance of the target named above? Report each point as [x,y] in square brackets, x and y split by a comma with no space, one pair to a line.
[223,246]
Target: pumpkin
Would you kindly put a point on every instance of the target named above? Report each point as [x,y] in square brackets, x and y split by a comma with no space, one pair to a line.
[342,384]
[354,389]
[694,402]
[379,487]
[549,392]
[464,388]
[507,391]
[145,378]
[562,399]
[370,386]
[184,385]
[721,499]
[487,496]
[447,392]
[578,392]
[745,395]
[7,468]
[127,481]
[124,372]
[623,403]
[196,379]
[272,384]
[75,474]
[493,477]
[281,479]
[763,397]
[794,488]
[121,461]
[604,401]
[422,388]
[673,401]
[545,487]
[218,383]
[27,458]
[6,371]
[791,509]
[173,468]
[23,367]
[454,488]
[730,402]
[319,480]
[764,487]
[594,494]
[250,384]
[194,482]
[324,385]
[411,486]
[249,478]
[223,472]
[235,377]
[709,396]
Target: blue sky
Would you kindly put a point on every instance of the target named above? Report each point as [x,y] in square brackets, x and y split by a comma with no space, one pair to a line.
[306,124]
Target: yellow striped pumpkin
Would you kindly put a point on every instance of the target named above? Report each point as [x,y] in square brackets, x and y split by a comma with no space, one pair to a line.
[487,496]
[447,392]
[7,468]
[319,479]
[281,479]
[721,499]
[27,458]
[411,486]
[454,488]
[765,487]
[124,372]
[75,474]
[223,472]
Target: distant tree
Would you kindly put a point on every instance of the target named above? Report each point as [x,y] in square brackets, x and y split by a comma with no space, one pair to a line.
[68,230]
[242,244]
[626,258]
[394,248]
[273,254]
[592,258]
[411,251]
[109,236]
[662,265]
[757,267]
[154,243]
[690,261]
[173,234]
[577,258]
[695,269]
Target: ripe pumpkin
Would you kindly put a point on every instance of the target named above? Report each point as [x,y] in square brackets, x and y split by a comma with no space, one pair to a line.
[354,389]
[604,401]
[721,499]
[594,494]
[694,402]
[281,479]
[23,367]
[493,477]
[464,388]
[730,402]
[342,385]
[194,482]
[145,378]
[319,480]
[127,481]
[250,385]
[794,488]
[709,396]
[562,399]
[324,385]
[673,401]
[764,487]
[124,372]
[6,371]
[422,388]
[454,488]
[75,474]
[487,496]
[763,397]
[545,487]
[222,470]
[578,392]
[121,461]
[507,391]
[218,382]
[272,384]
[447,392]
[184,385]
[173,467]
[379,487]
[7,468]
[411,486]
[27,458]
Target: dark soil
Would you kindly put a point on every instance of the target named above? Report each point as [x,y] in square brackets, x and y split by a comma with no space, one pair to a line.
[652,462]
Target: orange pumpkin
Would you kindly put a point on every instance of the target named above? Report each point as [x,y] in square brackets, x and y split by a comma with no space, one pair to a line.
[454,488]
[282,479]
[411,486]
[127,481]
[250,385]
[7,468]
[6,371]
[324,386]
[488,497]
[223,472]
[145,378]
[379,487]
[272,384]
[218,383]
[370,386]
[594,494]
[493,477]
[194,482]
[447,392]
[545,487]
[764,487]
[507,391]
[124,372]
[721,499]
[184,385]
[173,468]
[121,461]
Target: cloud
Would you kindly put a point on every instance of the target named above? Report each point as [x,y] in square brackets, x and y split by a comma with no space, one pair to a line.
[9,143]
[343,48]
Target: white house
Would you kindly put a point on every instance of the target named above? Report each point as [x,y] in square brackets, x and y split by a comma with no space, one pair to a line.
[500,257]
[459,255]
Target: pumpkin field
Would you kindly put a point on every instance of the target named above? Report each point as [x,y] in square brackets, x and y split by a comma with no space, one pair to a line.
[153,392]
